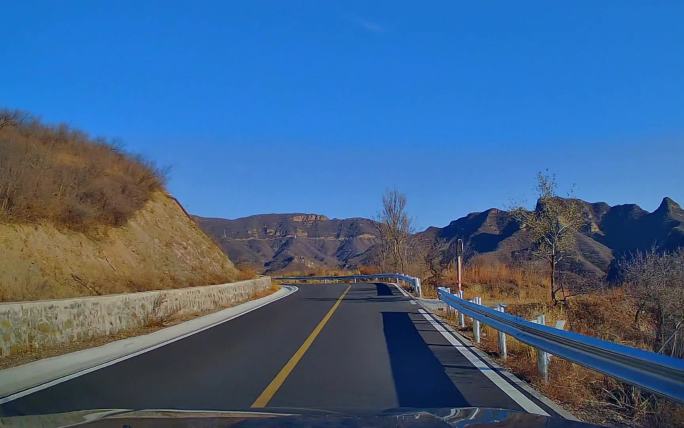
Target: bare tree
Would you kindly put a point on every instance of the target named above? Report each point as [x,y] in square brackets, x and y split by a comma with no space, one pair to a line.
[552,225]
[9,117]
[395,228]
[435,261]
[18,118]
[656,281]
[428,254]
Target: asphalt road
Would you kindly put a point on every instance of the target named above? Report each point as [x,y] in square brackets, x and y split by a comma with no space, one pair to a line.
[372,350]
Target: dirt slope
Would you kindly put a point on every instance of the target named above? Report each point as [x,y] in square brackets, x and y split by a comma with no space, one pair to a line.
[158,247]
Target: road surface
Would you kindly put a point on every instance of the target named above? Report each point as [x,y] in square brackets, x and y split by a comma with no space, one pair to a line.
[354,348]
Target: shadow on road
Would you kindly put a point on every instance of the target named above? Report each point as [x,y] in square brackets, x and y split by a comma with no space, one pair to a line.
[383,289]
[419,377]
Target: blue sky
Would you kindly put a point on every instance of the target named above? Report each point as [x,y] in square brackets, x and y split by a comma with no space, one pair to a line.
[277,106]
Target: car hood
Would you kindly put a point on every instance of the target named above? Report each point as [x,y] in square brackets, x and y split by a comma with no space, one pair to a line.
[153,418]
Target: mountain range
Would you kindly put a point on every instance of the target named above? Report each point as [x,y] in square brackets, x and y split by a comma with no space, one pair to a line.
[303,242]
[293,242]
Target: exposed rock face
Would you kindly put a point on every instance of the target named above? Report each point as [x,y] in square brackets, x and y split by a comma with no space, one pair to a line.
[308,218]
[281,242]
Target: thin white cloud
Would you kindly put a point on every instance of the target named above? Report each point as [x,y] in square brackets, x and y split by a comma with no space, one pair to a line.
[368,25]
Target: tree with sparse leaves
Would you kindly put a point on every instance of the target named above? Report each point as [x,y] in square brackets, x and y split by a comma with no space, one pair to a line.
[552,225]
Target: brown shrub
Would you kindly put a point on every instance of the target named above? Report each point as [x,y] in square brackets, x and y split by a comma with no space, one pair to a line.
[63,176]
[326,271]
[368,270]
[655,281]
[246,271]
[609,315]
[430,291]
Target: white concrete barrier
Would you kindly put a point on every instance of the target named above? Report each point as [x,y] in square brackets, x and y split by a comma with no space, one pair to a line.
[26,326]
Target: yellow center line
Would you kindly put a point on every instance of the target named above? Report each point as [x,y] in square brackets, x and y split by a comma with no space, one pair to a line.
[280,378]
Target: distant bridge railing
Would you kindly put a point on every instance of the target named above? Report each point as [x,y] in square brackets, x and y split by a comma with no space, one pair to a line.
[411,281]
[657,373]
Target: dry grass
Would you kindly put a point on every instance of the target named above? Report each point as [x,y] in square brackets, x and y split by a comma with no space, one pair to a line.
[497,282]
[369,270]
[607,314]
[158,248]
[324,271]
[246,271]
[430,291]
[78,216]
[65,177]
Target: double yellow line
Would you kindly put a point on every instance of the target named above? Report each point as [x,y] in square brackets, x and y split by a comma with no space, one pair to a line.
[273,387]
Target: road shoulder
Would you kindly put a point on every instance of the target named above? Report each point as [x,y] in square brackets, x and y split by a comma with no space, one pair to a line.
[546,403]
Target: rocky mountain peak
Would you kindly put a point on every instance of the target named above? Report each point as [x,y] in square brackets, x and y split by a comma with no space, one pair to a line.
[668,206]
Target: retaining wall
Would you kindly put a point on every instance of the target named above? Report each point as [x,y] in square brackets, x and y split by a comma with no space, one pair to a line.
[50,323]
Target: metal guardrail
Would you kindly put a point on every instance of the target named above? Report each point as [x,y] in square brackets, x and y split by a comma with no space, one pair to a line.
[412,281]
[657,373]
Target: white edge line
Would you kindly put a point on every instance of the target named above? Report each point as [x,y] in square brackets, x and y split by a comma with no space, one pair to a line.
[524,402]
[401,289]
[515,380]
[413,302]
[51,383]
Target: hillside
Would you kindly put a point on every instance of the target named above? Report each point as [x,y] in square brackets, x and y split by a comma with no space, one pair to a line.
[80,217]
[281,242]
[493,236]
[292,242]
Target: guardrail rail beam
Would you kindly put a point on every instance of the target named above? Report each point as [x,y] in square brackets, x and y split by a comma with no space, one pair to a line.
[653,372]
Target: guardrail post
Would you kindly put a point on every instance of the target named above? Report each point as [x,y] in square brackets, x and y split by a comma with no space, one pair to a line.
[502,336]
[542,357]
[476,323]
[461,317]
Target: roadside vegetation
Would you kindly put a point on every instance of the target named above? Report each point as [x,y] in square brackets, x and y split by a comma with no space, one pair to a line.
[394,228]
[318,271]
[80,217]
[552,226]
[643,308]
[246,271]
[614,312]
[63,176]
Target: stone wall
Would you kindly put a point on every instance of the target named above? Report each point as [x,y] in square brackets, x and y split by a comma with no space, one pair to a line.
[50,323]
